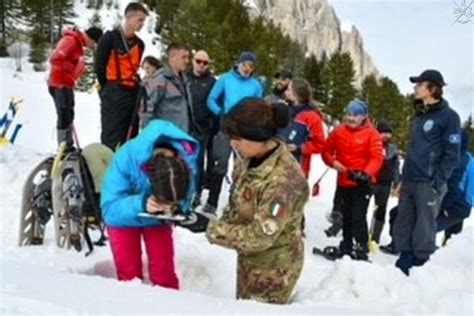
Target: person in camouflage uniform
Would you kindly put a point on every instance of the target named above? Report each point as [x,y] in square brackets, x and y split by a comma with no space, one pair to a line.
[263,219]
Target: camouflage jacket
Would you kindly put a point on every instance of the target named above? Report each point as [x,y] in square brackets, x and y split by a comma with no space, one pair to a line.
[265,207]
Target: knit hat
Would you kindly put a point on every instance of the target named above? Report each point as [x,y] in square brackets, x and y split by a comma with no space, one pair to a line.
[357,107]
[94,33]
[256,120]
[384,127]
[247,56]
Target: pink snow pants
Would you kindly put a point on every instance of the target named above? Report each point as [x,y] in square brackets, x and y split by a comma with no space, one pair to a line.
[127,252]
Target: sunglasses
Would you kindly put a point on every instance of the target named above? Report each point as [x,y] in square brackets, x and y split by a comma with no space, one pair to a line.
[200,61]
[248,64]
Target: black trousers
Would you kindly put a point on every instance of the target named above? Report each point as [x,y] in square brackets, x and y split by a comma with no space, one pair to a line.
[205,136]
[221,151]
[381,195]
[354,203]
[64,102]
[117,114]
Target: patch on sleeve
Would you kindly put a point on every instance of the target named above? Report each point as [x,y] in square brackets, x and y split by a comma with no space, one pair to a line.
[276,208]
[455,138]
[270,226]
[248,194]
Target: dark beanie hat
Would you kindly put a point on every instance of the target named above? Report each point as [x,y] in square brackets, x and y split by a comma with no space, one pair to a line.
[94,33]
[247,56]
[384,127]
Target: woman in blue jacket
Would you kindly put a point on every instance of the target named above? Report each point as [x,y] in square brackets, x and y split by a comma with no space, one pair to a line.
[155,172]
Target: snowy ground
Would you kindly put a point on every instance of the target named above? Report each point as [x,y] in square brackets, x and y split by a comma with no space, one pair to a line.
[48,280]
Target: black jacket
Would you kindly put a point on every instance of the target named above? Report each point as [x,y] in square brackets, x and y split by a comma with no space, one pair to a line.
[390,171]
[200,87]
[433,151]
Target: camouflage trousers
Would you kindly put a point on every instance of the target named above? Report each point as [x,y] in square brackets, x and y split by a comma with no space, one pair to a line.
[268,277]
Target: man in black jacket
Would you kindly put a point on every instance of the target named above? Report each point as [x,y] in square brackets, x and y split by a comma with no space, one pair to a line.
[389,175]
[201,83]
[432,154]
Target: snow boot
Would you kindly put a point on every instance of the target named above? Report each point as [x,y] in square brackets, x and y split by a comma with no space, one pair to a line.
[405,262]
[389,249]
[360,252]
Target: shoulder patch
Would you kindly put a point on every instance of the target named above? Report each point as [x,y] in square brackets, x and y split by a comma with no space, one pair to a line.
[455,138]
[270,226]
[248,194]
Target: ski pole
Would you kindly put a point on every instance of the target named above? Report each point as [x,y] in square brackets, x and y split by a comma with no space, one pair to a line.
[316,185]
[76,138]
[131,127]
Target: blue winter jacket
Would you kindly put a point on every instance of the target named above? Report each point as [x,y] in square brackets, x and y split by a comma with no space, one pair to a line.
[230,89]
[458,199]
[433,151]
[126,186]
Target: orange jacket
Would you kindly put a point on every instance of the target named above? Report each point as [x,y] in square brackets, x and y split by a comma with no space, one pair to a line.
[118,59]
[357,149]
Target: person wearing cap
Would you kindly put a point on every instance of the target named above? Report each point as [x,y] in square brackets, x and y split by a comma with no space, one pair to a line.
[67,65]
[229,89]
[457,202]
[388,176]
[263,219]
[432,154]
[355,150]
[282,82]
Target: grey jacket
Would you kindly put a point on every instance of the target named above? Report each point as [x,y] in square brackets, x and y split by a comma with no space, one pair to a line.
[169,98]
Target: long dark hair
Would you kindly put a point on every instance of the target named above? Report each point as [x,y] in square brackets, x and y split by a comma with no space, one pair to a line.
[170,178]
[303,91]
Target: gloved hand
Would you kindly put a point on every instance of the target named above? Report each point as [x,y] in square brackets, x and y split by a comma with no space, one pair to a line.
[197,221]
[360,177]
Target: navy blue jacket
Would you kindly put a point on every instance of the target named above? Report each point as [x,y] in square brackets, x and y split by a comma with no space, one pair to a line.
[296,133]
[433,151]
[455,202]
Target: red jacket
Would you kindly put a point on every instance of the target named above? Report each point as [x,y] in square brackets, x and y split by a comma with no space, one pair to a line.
[316,140]
[67,63]
[357,149]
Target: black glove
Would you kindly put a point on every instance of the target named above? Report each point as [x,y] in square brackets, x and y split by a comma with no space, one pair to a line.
[197,221]
[360,177]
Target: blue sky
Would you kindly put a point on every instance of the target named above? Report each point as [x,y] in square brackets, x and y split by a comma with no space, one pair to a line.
[405,37]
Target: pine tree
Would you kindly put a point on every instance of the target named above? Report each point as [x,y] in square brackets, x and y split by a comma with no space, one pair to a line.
[94,4]
[46,20]
[38,50]
[10,17]
[224,29]
[312,71]
[62,14]
[338,81]
[402,133]
[166,9]
[468,126]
